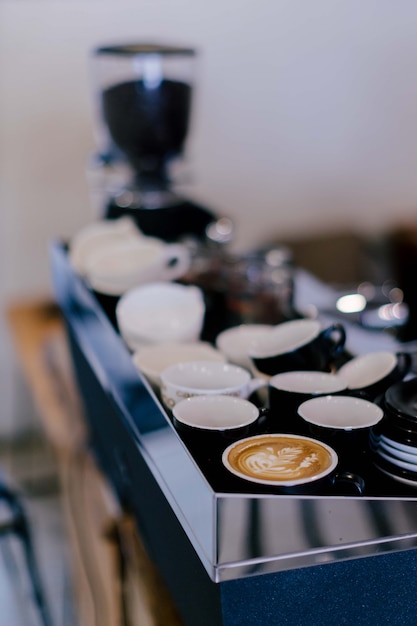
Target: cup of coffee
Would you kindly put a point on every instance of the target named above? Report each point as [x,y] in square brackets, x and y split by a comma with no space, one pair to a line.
[344,422]
[290,389]
[281,461]
[297,345]
[198,378]
[371,374]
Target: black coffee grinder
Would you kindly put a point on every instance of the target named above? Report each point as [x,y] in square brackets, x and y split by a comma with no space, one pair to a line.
[144,94]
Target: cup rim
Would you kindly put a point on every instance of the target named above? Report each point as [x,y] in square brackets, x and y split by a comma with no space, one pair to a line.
[146,358]
[375,412]
[215,399]
[280,483]
[269,350]
[220,365]
[233,331]
[314,376]
[358,361]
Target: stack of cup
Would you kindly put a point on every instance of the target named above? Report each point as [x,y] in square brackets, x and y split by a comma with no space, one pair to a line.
[394,439]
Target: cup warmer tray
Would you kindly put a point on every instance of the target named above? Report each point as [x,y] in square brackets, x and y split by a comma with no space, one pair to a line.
[233,555]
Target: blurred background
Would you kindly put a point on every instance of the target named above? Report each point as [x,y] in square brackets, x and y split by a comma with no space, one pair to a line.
[303,121]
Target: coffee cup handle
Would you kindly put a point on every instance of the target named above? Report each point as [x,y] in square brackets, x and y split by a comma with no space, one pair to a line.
[176,261]
[349,483]
[404,361]
[264,416]
[255,384]
[340,339]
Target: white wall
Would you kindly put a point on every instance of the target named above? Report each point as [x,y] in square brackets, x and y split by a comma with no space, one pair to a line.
[304,117]
[305,113]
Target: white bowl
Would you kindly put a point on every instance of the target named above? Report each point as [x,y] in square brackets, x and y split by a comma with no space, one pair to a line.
[159,313]
[152,360]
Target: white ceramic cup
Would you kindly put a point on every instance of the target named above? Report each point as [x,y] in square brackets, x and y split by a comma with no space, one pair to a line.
[199,378]
[344,422]
[340,412]
[308,383]
[236,342]
[152,360]
[374,372]
[97,236]
[215,413]
[113,270]
[159,313]
[290,389]
[300,344]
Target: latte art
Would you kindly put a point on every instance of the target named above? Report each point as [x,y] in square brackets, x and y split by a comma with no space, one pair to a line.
[287,461]
[280,459]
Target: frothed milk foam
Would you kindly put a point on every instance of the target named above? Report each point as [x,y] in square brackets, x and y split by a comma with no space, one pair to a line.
[279,458]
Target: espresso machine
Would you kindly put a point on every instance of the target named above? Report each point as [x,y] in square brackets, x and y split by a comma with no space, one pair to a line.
[143,96]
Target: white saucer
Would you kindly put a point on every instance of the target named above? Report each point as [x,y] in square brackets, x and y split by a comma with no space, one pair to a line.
[400,479]
[396,452]
[400,446]
[411,467]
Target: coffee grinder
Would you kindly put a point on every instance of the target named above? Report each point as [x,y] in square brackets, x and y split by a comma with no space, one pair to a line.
[143,97]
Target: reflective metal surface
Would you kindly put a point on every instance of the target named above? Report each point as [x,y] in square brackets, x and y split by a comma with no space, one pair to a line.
[234,534]
[262,535]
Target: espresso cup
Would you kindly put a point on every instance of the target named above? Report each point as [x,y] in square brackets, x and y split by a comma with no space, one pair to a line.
[371,374]
[297,345]
[344,422]
[235,342]
[215,414]
[290,389]
[198,378]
